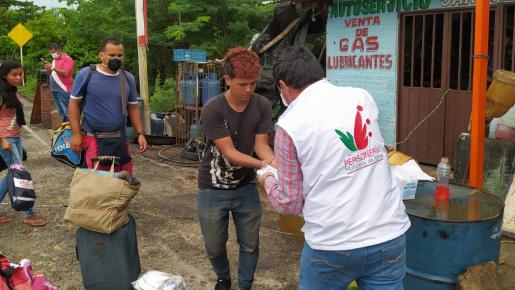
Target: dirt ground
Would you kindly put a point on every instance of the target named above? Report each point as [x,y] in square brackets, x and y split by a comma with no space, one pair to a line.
[169,235]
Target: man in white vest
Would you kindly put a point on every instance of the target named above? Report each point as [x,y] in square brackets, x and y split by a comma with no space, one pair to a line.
[333,170]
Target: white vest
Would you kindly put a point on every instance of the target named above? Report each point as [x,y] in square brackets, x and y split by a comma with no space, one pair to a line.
[350,197]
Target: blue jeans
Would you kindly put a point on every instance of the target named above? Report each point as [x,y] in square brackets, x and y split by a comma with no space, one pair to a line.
[213,210]
[377,267]
[61,101]
[11,157]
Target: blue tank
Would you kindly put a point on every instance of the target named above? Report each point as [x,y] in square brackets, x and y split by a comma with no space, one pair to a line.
[210,87]
[187,90]
[447,237]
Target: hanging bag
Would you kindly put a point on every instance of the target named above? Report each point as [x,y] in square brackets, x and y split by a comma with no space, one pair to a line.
[19,185]
[113,144]
[61,147]
[99,200]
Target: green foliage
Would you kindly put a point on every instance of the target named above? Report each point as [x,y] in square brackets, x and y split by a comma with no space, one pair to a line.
[179,32]
[45,29]
[216,25]
[29,88]
[213,25]
[163,95]
[11,13]
[95,20]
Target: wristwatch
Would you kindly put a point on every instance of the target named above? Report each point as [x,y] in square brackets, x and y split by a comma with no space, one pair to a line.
[140,133]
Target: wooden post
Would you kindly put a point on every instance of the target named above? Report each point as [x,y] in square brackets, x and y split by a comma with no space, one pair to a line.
[143,86]
[21,60]
[479,93]
[141,25]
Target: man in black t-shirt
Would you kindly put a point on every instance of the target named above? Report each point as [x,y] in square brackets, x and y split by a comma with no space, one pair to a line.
[236,124]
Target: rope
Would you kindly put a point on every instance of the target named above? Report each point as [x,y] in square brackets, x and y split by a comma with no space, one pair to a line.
[280,232]
[427,117]
[180,168]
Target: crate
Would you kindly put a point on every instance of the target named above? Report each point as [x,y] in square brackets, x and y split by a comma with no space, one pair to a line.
[193,55]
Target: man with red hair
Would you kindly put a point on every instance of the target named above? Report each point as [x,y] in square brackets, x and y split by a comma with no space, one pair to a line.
[236,124]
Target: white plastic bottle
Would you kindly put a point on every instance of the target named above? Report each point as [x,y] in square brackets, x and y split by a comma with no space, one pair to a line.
[443,172]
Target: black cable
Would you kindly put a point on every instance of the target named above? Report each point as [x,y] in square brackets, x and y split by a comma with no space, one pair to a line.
[173,158]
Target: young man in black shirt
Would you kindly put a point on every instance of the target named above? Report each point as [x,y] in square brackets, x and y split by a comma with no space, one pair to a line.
[236,124]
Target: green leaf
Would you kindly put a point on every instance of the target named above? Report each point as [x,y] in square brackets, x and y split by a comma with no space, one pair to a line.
[347,139]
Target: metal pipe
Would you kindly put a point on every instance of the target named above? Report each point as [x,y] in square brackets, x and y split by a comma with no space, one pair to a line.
[477,135]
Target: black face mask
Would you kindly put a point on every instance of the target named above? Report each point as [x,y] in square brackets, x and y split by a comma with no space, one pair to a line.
[114,64]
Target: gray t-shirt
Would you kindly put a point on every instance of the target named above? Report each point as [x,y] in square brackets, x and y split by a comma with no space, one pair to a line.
[219,121]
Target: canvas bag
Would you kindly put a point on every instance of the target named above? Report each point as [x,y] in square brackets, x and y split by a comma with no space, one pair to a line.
[61,148]
[99,200]
[19,185]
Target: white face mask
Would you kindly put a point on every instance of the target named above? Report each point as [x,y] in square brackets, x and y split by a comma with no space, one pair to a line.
[283,99]
[55,54]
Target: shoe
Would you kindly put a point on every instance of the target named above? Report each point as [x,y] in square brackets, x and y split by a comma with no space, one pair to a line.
[222,284]
[34,221]
[4,219]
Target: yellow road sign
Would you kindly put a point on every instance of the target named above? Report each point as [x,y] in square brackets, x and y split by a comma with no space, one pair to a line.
[20,34]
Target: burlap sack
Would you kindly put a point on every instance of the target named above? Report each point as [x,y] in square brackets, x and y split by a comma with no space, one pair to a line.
[98,200]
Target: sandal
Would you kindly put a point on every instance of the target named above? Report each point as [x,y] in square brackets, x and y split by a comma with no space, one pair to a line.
[4,219]
[34,221]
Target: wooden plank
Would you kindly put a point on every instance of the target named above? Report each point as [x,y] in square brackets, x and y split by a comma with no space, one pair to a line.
[47,106]
[35,116]
[433,52]
[460,51]
[413,52]
[423,50]
[457,117]
[513,42]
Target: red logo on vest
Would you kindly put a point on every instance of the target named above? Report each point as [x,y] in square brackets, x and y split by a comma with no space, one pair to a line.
[359,140]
